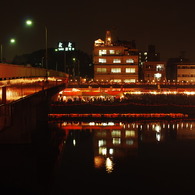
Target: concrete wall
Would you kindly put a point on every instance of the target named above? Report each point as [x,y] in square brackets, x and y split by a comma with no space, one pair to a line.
[19,121]
[10,71]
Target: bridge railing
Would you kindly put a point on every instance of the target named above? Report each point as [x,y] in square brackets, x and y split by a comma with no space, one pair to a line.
[12,90]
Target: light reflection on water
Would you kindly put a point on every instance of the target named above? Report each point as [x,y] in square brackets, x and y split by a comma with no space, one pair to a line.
[117,139]
[155,157]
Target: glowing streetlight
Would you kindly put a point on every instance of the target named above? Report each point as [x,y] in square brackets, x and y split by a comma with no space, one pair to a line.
[78,66]
[12,41]
[30,23]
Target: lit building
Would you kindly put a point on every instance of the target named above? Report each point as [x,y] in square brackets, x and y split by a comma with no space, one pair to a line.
[147,56]
[186,72]
[115,61]
[154,71]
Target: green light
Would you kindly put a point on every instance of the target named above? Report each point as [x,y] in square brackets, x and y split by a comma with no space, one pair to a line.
[29,22]
[12,40]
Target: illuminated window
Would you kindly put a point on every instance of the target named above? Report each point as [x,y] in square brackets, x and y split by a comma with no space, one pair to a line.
[112,51]
[102,52]
[129,80]
[102,70]
[101,134]
[159,67]
[129,133]
[129,142]
[101,142]
[129,61]
[116,70]
[116,61]
[130,70]
[116,133]
[102,60]
[117,80]
[116,141]
[118,52]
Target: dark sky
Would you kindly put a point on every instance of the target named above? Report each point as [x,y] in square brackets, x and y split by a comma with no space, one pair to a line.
[169,25]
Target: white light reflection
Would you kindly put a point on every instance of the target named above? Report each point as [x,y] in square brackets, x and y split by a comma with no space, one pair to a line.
[74,142]
[158,135]
[111,151]
[109,165]
[102,151]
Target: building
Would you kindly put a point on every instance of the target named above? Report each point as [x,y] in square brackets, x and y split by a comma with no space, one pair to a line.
[171,67]
[186,72]
[147,56]
[154,71]
[115,61]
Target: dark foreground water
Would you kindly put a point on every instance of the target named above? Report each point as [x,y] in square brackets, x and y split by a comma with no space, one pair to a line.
[154,157]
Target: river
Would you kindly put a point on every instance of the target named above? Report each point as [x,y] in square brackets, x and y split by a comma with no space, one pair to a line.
[103,157]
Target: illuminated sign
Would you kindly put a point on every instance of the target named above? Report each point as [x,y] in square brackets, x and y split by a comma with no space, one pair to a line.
[66,46]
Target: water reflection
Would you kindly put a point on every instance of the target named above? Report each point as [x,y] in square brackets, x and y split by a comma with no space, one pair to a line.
[113,141]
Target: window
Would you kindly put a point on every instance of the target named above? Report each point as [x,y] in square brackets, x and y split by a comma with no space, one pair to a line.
[130,70]
[116,70]
[102,70]
[102,60]
[117,80]
[159,67]
[129,61]
[129,142]
[112,51]
[102,52]
[116,133]
[118,52]
[116,61]
[129,80]
[129,133]
[101,142]
[116,141]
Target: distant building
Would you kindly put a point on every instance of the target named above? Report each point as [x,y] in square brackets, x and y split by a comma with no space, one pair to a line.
[154,71]
[147,56]
[115,61]
[171,68]
[186,72]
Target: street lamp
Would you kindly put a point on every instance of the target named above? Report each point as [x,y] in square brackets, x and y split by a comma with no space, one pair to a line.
[1,53]
[78,66]
[12,41]
[30,23]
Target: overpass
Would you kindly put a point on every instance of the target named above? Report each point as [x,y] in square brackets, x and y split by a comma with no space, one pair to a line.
[25,95]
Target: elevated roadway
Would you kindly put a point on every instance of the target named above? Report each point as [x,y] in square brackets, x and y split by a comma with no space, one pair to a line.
[25,95]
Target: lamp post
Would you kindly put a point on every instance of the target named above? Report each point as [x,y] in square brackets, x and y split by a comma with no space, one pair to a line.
[12,41]
[78,66]
[1,53]
[30,23]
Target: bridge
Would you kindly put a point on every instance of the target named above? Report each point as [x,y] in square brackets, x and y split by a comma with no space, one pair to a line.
[25,93]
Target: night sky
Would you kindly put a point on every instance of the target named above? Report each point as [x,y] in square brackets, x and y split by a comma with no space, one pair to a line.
[169,25]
